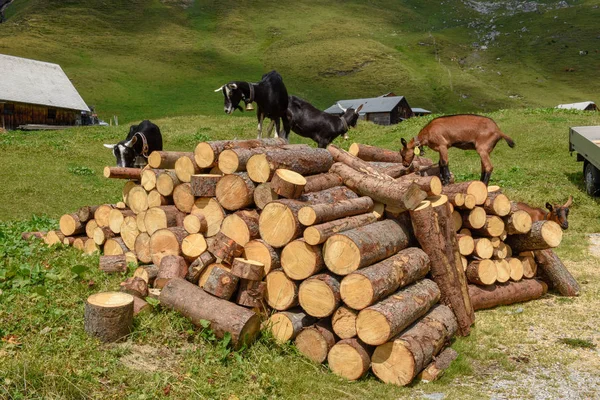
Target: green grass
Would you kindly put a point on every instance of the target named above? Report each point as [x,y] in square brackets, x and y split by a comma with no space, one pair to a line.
[45,352]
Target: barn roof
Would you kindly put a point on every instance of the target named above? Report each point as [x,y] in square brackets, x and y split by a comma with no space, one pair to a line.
[420,110]
[36,82]
[576,106]
[371,105]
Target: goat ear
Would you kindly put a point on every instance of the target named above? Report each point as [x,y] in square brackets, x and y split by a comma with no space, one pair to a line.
[131,142]
[359,108]
[549,207]
[403,141]
[219,89]
[569,202]
[110,146]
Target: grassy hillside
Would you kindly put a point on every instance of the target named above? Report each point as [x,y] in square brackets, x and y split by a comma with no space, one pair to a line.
[149,58]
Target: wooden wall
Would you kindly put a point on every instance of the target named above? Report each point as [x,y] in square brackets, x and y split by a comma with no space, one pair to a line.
[15,114]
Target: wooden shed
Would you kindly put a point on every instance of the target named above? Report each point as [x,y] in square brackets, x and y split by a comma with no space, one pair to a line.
[36,92]
[383,110]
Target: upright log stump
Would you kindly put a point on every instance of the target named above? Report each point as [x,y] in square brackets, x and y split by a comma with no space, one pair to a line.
[109,316]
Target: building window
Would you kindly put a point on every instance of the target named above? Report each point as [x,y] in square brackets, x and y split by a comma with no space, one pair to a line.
[51,113]
[9,109]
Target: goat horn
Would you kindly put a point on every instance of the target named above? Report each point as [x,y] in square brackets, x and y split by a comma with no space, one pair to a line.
[219,89]
[569,202]
[343,109]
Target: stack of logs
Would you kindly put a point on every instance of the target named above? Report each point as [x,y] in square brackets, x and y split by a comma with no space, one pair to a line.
[353,255]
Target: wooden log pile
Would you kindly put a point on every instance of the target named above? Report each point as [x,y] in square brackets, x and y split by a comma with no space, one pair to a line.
[363,263]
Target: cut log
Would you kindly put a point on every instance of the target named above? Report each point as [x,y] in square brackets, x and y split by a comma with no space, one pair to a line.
[301,260]
[139,220]
[476,188]
[116,218]
[193,245]
[404,196]
[195,223]
[341,156]
[122,173]
[555,271]
[516,268]
[235,160]
[316,183]
[140,306]
[206,273]
[305,161]
[493,227]
[382,321]
[470,201]
[206,154]
[466,244]
[225,248]
[457,199]
[251,294]
[157,218]
[372,153]
[54,237]
[166,182]
[71,225]
[314,342]
[241,226]
[278,223]
[497,204]
[288,184]
[197,305]
[125,191]
[171,266]
[432,185]
[183,198]
[457,220]
[212,212]
[319,295]
[185,167]
[543,235]
[90,247]
[204,185]
[483,248]
[86,213]
[235,191]
[261,251]
[518,222]
[434,230]
[101,235]
[166,242]
[147,273]
[328,196]
[109,316]
[350,359]
[465,231]
[439,364]
[475,219]
[357,248]
[115,247]
[148,179]
[420,166]
[367,286]
[287,325]
[264,194]
[501,251]
[135,286]
[247,269]
[137,200]
[482,272]
[318,234]
[198,266]
[483,297]
[142,247]
[282,292]
[401,359]
[101,214]
[529,266]
[320,213]
[79,243]
[166,159]
[221,282]
[113,264]
[156,199]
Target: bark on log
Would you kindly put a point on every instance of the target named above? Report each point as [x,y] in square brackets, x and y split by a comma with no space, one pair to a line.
[518,222]
[148,273]
[221,283]
[476,188]
[197,305]
[316,183]
[350,359]
[195,223]
[432,185]
[109,316]
[516,268]
[148,178]
[101,235]
[71,225]
[116,218]
[382,321]
[198,266]
[114,247]
[166,182]
[318,234]
[247,269]
[113,264]
[421,166]
[401,359]
[261,251]
[483,297]
[185,167]
[204,185]
[466,244]
[142,247]
[372,153]
[439,365]
[170,267]
[101,214]
[482,272]
[288,184]
[357,248]
[135,286]
[314,342]
[320,213]
[251,293]
[301,260]
[497,204]
[343,322]
[282,292]
[241,226]
[225,248]
[328,196]
[483,248]
[122,173]
[555,271]
[183,198]
[235,160]
[367,286]
[235,191]
[193,245]
[543,235]
[475,219]
[166,242]
[212,211]
[341,156]
[166,159]
[264,194]
[319,295]
[86,213]
[206,154]
[157,218]
[305,161]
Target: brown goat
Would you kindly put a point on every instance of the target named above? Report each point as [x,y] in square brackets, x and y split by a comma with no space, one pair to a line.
[466,132]
[556,213]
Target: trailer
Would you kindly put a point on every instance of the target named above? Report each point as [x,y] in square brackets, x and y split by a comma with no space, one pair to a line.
[585,140]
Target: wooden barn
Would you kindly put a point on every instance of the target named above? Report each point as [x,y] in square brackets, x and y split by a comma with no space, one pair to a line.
[383,110]
[36,92]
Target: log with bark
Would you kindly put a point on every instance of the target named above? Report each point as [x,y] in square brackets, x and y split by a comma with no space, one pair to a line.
[432,185]
[543,235]
[516,268]
[318,234]
[264,194]
[483,248]
[166,242]
[482,272]
[114,247]
[301,260]
[342,156]
[221,282]
[71,225]
[157,218]
[476,188]
[135,286]
[206,154]
[148,179]
[319,295]
[148,273]
[204,185]
[137,200]
[185,167]
[372,153]
[101,235]
[116,218]
[122,173]
[315,341]
[278,223]
[113,264]
[90,247]
[518,222]
[198,266]
[305,161]
[235,191]
[86,213]
[474,219]
[251,293]
[156,199]
[166,159]
[439,365]
[195,223]
[466,244]
[493,227]
[183,198]
[320,213]
[261,251]
[54,237]
[555,271]
[142,247]
[170,267]
[343,322]
[225,248]
[288,184]
[483,297]
[350,359]
[193,245]
[166,182]
[497,204]
[286,325]
[212,212]
[101,214]
[241,226]
[247,269]
[282,292]
[109,316]
[316,183]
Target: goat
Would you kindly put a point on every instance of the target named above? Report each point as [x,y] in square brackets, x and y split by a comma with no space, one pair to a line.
[464,131]
[129,151]
[270,95]
[323,128]
[556,213]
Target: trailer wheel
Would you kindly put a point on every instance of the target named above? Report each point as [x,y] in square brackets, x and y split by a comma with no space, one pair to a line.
[591,175]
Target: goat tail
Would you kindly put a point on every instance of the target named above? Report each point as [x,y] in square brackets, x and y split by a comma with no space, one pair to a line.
[511,143]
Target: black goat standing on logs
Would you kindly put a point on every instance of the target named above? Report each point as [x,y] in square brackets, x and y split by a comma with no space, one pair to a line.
[466,132]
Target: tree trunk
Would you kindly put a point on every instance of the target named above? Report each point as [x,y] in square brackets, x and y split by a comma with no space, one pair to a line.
[212,211]
[109,316]
[316,183]
[401,359]
[114,247]
[71,225]
[482,272]
[225,248]
[185,167]
[166,242]
[382,321]
[197,305]
[235,160]
[171,266]
[161,218]
[183,198]
[518,222]
[204,185]
[493,227]
[555,271]
[221,283]
[195,223]
[318,234]
[264,194]
[314,342]
[350,359]
[235,191]
[282,292]
[301,260]
[288,184]
[343,322]
[251,293]
[261,251]
[193,245]
[166,182]
[319,213]
[206,154]
[543,235]
[483,297]
[113,264]
[433,229]
[319,295]
[367,286]
[476,188]
[241,226]
[404,196]
[123,173]
[137,200]
[439,364]
[135,286]
[166,159]
[147,272]
[357,248]
[341,156]
[116,218]
[305,161]
[86,213]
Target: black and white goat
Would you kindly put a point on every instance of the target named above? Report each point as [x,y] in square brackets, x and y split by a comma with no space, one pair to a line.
[323,128]
[270,95]
[142,140]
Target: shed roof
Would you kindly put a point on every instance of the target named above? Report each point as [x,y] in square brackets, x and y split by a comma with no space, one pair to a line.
[420,110]
[576,106]
[36,82]
[371,105]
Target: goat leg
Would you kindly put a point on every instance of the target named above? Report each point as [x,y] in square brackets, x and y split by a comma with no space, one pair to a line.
[485,177]
[261,118]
